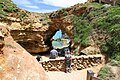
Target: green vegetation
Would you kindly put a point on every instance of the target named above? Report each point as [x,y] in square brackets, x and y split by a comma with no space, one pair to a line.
[105,73]
[22,15]
[95,5]
[6,6]
[102,25]
[82,30]
[102,19]
[65,13]
[115,63]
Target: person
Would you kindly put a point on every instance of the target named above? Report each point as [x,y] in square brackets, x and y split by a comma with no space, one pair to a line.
[53,53]
[68,61]
[65,50]
[38,58]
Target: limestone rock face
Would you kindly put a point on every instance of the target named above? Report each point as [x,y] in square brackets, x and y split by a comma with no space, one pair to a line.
[16,63]
[91,50]
[106,1]
[61,19]
[32,41]
[34,31]
[31,33]
[35,36]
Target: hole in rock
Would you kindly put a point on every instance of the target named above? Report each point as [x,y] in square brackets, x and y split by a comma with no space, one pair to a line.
[59,40]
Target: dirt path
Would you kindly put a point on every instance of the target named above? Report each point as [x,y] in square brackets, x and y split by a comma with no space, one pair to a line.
[116,71]
[74,75]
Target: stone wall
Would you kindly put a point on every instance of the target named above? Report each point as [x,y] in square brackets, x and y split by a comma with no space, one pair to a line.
[78,63]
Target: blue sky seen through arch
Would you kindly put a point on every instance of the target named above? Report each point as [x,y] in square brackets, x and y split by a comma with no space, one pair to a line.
[57,35]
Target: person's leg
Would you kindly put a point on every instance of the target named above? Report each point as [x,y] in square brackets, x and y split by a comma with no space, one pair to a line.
[66,66]
[52,57]
[70,67]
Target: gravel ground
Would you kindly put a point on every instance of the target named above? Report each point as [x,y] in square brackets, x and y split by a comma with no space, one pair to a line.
[74,75]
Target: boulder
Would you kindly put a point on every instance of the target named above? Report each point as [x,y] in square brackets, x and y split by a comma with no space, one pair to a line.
[17,64]
[91,50]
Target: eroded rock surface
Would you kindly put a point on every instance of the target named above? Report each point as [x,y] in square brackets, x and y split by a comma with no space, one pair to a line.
[16,63]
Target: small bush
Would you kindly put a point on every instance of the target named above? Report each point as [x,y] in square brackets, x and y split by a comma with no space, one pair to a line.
[116,56]
[105,73]
[65,13]
[114,63]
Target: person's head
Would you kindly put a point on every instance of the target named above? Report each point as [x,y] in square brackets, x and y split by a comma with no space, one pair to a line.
[67,52]
[54,47]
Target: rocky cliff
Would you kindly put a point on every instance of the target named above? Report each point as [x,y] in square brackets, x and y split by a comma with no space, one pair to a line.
[15,62]
[33,31]
[28,29]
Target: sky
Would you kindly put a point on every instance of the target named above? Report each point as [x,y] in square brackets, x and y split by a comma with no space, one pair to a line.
[57,35]
[43,6]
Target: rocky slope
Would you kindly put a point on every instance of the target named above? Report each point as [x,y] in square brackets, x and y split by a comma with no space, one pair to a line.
[15,62]
[23,24]
[33,31]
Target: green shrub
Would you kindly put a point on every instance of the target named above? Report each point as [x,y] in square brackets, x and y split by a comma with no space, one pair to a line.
[6,6]
[114,63]
[2,13]
[82,30]
[105,73]
[65,13]
[116,56]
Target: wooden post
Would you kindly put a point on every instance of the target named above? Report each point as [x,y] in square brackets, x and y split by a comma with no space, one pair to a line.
[89,74]
[95,78]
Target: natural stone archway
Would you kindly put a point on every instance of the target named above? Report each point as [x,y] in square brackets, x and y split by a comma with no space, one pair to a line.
[65,26]
[36,37]
[35,41]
